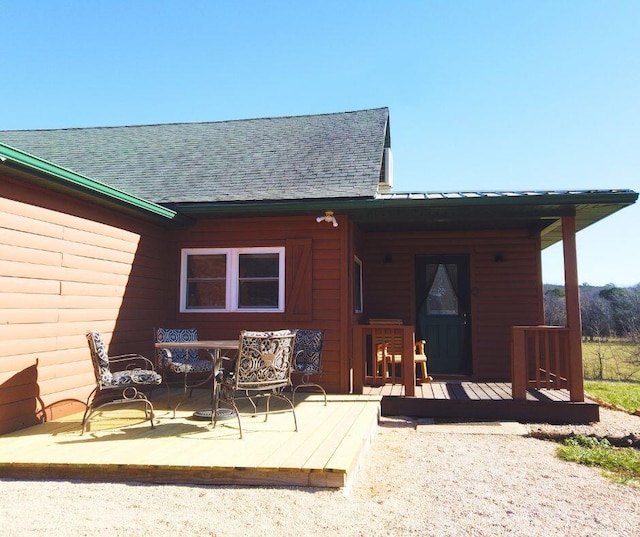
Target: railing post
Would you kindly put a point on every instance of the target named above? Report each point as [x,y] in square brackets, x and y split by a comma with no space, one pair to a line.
[358,358]
[409,361]
[518,363]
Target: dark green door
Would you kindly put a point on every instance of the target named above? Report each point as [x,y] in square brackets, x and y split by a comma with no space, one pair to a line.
[442,317]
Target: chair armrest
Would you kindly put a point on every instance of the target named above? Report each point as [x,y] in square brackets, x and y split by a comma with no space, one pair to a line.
[133,361]
[420,346]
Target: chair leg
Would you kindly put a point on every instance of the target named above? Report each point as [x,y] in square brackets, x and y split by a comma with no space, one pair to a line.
[227,401]
[424,377]
[289,402]
[92,409]
[309,385]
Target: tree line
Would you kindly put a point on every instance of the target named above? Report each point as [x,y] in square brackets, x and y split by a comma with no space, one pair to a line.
[606,311]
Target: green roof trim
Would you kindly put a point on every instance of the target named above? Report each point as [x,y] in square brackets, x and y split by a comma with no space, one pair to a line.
[22,159]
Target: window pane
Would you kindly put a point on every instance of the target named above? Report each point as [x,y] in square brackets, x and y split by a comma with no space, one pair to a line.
[259,265]
[258,294]
[207,266]
[442,299]
[206,281]
[206,294]
[258,281]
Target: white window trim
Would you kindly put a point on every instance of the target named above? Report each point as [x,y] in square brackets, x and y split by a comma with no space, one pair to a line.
[232,287]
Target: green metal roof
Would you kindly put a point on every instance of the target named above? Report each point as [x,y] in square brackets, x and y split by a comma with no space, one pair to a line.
[537,211]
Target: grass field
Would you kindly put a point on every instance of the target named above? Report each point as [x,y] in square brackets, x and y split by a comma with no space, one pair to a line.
[624,395]
[612,375]
[614,359]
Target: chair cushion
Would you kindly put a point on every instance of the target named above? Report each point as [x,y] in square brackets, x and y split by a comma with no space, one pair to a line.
[195,366]
[182,360]
[306,351]
[134,376]
[100,357]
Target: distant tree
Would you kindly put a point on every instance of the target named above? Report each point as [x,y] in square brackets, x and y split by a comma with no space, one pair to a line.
[554,306]
[625,308]
[596,314]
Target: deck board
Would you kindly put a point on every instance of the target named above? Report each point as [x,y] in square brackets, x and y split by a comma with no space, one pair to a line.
[484,400]
[121,446]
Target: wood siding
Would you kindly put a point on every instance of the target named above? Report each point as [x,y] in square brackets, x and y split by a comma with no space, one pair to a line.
[506,290]
[314,283]
[67,266]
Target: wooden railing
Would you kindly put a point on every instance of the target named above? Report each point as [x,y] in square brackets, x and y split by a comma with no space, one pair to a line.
[369,367]
[540,358]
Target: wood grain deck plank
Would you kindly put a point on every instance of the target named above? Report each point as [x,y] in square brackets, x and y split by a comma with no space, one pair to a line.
[182,450]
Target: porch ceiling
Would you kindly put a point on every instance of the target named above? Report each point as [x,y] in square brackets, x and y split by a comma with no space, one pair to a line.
[539,219]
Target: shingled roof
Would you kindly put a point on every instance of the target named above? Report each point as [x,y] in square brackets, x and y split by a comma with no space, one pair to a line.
[285,158]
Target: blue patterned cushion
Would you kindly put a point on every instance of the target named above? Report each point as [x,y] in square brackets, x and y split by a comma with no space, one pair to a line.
[306,351]
[118,378]
[135,376]
[101,358]
[180,361]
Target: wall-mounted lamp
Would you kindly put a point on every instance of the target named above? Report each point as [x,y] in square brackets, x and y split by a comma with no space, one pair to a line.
[328,217]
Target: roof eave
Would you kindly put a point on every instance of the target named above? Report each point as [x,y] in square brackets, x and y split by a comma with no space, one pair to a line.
[65,179]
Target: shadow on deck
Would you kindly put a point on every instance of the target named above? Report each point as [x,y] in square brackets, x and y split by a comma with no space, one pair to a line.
[484,401]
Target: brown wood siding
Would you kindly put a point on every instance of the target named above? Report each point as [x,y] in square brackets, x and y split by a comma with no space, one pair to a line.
[327,267]
[504,293]
[67,266]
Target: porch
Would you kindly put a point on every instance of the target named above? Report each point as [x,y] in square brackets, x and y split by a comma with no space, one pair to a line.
[120,446]
[546,378]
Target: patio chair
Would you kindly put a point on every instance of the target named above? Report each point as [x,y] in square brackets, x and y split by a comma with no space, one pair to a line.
[307,352]
[119,379]
[180,366]
[263,369]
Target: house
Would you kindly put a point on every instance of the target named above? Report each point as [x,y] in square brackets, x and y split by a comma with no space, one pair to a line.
[264,224]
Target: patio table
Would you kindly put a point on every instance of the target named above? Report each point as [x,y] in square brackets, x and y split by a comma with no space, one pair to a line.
[213,348]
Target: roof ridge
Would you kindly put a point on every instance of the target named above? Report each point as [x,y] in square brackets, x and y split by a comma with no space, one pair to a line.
[177,123]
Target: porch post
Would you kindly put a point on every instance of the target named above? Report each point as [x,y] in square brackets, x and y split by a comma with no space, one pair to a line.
[572,302]
[357,359]
[409,361]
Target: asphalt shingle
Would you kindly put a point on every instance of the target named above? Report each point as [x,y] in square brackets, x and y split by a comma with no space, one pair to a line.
[284,158]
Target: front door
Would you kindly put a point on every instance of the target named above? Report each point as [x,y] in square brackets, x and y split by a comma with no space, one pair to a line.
[442,316]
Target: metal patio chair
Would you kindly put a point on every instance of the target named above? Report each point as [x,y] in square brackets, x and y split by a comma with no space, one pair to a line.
[119,379]
[182,367]
[262,369]
[307,354]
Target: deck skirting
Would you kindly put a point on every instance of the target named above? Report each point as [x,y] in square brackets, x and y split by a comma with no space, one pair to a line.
[484,401]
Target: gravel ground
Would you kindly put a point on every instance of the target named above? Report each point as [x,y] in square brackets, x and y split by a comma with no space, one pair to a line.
[412,482]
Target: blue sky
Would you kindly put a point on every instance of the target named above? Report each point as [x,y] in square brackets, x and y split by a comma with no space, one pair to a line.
[483,95]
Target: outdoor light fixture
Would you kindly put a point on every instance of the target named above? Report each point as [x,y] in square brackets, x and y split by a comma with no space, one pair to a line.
[328,217]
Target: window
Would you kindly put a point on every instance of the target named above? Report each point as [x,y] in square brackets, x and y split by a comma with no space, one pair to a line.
[442,298]
[357,285]
[232,279]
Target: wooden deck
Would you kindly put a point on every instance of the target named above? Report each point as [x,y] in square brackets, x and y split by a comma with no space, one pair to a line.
[483,400]
[120,446]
